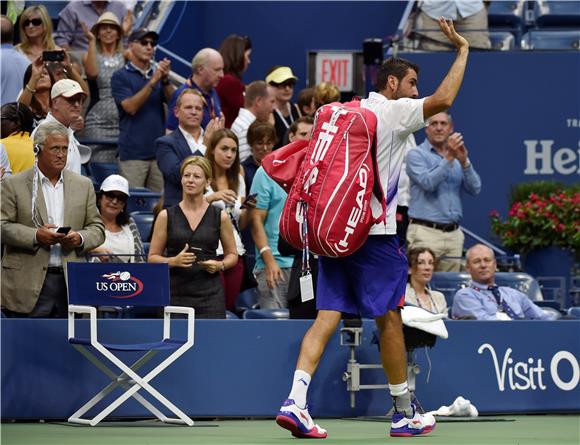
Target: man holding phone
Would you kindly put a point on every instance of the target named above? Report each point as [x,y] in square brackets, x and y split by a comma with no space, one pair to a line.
[48,218]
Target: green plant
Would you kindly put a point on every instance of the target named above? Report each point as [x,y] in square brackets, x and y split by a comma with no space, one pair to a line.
[542,213]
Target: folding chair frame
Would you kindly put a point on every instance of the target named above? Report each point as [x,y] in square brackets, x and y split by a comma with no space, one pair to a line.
[129,379]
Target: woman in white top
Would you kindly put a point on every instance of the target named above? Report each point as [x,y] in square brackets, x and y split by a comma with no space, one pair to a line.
[228,191]
[421,266]
[122,240]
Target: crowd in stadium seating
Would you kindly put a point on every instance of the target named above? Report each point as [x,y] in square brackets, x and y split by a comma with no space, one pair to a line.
[199,146]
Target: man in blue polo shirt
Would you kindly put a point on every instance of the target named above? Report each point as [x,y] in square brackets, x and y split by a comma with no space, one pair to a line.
[207,68]
[140,90]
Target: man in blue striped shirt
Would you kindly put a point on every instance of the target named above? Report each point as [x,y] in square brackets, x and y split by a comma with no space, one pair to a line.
[439,170]
[484,300]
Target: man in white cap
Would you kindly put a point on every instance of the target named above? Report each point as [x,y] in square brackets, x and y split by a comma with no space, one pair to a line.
[66,102]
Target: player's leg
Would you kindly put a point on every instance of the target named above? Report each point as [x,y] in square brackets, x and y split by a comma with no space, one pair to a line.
[293,414]
[406,421]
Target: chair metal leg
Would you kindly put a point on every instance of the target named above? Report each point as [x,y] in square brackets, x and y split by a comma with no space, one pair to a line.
[131,391]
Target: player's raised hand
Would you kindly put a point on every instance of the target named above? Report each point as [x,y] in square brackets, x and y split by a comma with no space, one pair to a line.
[448,29]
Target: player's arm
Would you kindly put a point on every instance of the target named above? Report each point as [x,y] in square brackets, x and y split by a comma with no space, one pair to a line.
[445,94]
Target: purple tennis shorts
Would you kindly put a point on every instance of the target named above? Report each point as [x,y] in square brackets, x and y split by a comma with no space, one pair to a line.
[369,283]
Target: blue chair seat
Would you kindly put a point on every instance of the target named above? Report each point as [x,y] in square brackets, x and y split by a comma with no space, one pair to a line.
[279,314]
[167,344]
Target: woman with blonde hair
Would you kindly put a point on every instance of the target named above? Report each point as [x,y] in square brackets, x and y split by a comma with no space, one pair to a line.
[35,32]
[103,57]
[227,191]
[326,93]
[186,237]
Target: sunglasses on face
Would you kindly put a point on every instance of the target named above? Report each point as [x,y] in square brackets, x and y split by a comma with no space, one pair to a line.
[287,84]
[33,22]
[146,42]
[120,197]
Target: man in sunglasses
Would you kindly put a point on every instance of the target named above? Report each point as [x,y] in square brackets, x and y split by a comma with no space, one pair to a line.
[66,103]
[140,89]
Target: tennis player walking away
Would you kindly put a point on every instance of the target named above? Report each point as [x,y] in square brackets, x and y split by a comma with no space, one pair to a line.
[371,282]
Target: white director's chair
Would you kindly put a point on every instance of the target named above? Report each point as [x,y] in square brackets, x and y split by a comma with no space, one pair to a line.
[101,284]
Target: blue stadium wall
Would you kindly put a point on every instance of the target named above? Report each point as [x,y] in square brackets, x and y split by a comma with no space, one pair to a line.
[518,111]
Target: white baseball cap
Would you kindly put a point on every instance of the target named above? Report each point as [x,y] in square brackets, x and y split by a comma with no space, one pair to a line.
[66,88]
[115,183]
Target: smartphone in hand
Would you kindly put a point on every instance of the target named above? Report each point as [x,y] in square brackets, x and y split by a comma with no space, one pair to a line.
[248,198]
[63,229]
[53,56]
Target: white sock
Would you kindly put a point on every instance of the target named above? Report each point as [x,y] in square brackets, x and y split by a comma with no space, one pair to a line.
[399,389]
[300,387]
[402,398]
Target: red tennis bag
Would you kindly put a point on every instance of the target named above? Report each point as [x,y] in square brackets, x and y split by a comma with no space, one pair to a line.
[329,201]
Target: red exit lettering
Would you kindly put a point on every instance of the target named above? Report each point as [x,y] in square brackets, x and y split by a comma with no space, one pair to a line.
[335,71]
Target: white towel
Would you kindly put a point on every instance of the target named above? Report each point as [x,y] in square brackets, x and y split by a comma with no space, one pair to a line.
[415,317]
[460,408]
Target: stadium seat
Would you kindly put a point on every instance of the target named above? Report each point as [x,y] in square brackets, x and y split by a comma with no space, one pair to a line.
[551,40]
[502,40]
[247,299]
[574,312]
[506,14]
[146,246]
[523,282]
[449,283]
[279,314]
[231,316]
[142,200]
[144,221]
[100,170]
[83,298]
[556,14]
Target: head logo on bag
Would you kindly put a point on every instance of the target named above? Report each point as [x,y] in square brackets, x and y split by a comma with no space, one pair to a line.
[334,177]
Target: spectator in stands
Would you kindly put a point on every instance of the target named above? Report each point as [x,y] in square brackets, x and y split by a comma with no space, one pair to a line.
[301,129]
[227,191]
[13,64]
[36,33]
[261,139]
[306,103]
[188,234]
[69,33]
[325,93]
[484,300]
[103,58]
[470,18]
[189,139]
[272,269]
[36,90]
[207,68]
[235,51]
[439,170]
[421,266]
[17,123]
[140,91]
[67,98]
[121,233]
[285,112]
[259,104]
[36,253]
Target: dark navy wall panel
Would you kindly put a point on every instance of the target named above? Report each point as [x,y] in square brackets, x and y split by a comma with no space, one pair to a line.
[508,101]
[244,368]
[282,32]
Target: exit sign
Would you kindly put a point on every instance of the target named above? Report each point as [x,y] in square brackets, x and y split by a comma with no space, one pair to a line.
[337,68]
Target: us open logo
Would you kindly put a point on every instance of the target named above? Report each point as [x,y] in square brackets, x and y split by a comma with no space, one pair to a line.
[122,283]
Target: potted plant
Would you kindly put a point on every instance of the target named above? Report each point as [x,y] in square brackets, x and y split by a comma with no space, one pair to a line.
[543,222]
